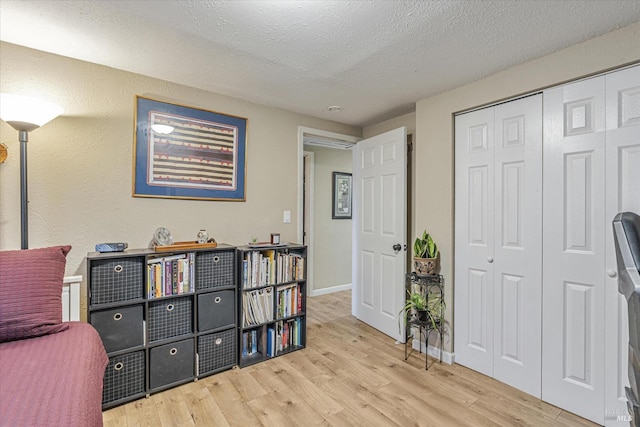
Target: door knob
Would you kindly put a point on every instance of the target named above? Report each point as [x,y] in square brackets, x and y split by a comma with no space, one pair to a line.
[611,273]
[489,260]
[397,247]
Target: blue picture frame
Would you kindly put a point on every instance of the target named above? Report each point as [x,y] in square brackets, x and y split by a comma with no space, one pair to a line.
[188,153]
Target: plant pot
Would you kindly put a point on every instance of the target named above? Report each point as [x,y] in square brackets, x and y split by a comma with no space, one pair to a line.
[425,266]
[422,315]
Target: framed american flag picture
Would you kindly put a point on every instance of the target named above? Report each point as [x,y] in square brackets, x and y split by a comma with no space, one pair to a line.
[188,153]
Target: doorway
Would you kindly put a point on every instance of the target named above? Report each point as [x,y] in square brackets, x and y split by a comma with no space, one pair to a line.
[328,240]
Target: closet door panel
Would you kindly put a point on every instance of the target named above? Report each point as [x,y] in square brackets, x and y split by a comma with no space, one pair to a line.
[474,236]
[623,194]
[518,244]
[573,255]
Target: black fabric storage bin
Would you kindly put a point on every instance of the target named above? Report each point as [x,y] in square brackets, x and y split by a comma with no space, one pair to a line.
[115,280]
[215,269]
[120,328]
[171,363]
[216,351]
[216,310]
[169,318]
[123,377]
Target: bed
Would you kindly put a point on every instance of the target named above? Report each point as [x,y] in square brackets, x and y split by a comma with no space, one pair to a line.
[51,372]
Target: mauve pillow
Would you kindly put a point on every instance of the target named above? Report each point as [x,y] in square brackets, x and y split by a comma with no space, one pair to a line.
[31,292]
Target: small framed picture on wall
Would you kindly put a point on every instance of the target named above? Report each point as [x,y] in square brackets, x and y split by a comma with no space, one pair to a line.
[341,192]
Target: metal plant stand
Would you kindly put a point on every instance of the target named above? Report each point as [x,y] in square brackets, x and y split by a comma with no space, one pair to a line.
[429,286]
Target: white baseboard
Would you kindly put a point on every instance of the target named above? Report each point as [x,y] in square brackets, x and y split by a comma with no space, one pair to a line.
[331,289]
[448,358]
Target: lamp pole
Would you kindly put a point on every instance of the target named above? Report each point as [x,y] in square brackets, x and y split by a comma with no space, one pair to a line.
[23,136]
[25,114]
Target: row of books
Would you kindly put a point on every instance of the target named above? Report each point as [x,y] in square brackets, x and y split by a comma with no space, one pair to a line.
[284,334]
[257,307]
[288,300]
[258,269]
[290,267]
[262,268]
[249,342]
[171,275]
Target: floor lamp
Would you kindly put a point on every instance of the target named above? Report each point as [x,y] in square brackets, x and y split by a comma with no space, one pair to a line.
[25,114]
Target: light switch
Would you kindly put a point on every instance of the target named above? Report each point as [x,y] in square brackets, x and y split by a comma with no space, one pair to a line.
[287,217]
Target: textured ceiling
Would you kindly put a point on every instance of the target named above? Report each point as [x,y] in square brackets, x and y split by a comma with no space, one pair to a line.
[373,58]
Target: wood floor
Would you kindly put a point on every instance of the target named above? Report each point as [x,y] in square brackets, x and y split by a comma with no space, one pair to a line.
[349,375]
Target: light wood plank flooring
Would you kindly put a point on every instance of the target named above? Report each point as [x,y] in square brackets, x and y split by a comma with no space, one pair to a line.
[349,375]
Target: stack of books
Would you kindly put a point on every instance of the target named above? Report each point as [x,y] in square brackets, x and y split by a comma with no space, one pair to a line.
[170,275]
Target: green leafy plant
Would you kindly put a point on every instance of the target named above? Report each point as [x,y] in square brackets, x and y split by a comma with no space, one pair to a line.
[425,247]
[433,307]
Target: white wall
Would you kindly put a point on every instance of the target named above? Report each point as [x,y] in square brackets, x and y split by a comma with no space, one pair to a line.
[80,164]
[434,203]
[331,237]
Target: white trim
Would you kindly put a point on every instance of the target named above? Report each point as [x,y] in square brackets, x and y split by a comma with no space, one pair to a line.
[448,358]
[309,217]
[71,298]
[331,289]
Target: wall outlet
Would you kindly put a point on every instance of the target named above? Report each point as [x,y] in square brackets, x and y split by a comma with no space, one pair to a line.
[287,217]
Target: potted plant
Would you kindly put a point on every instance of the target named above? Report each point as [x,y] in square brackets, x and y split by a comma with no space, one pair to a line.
[424,309]
[425,252]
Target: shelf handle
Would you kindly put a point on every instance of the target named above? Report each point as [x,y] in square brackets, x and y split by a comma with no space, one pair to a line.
[118,366]
[611,273]
[216,258]
[118,268]
[173,351]
[490,260]
[117,316]
[217,300]
[170,307]
[218,341]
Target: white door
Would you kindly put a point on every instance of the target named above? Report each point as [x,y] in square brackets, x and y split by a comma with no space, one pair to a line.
[379,214]
[623,194]
[574,248]
[517,266]
[474,236]
[498,288]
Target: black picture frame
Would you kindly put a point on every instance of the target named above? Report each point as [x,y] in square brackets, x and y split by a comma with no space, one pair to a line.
[341,191]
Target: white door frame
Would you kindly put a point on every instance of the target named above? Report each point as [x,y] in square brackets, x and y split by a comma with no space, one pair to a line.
[302,130]
[308,218]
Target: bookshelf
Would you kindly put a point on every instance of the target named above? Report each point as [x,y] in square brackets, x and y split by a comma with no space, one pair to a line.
[165,318]
[271,301]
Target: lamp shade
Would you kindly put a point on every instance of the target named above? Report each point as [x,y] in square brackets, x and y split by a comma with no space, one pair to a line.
[26,114]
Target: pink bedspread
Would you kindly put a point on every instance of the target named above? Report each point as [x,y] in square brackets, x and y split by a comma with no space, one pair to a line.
[53,380]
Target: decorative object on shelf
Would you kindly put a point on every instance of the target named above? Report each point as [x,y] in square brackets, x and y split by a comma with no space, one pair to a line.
[25,115]
[202,237]
[169,164]
[341,192]
[162,237]
[275,238]
[4,153]
[425,253]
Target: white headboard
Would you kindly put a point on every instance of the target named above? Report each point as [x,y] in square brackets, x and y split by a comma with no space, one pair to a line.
[71,298]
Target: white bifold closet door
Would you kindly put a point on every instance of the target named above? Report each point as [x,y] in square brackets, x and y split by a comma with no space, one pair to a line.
[498,239]
[591,172]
